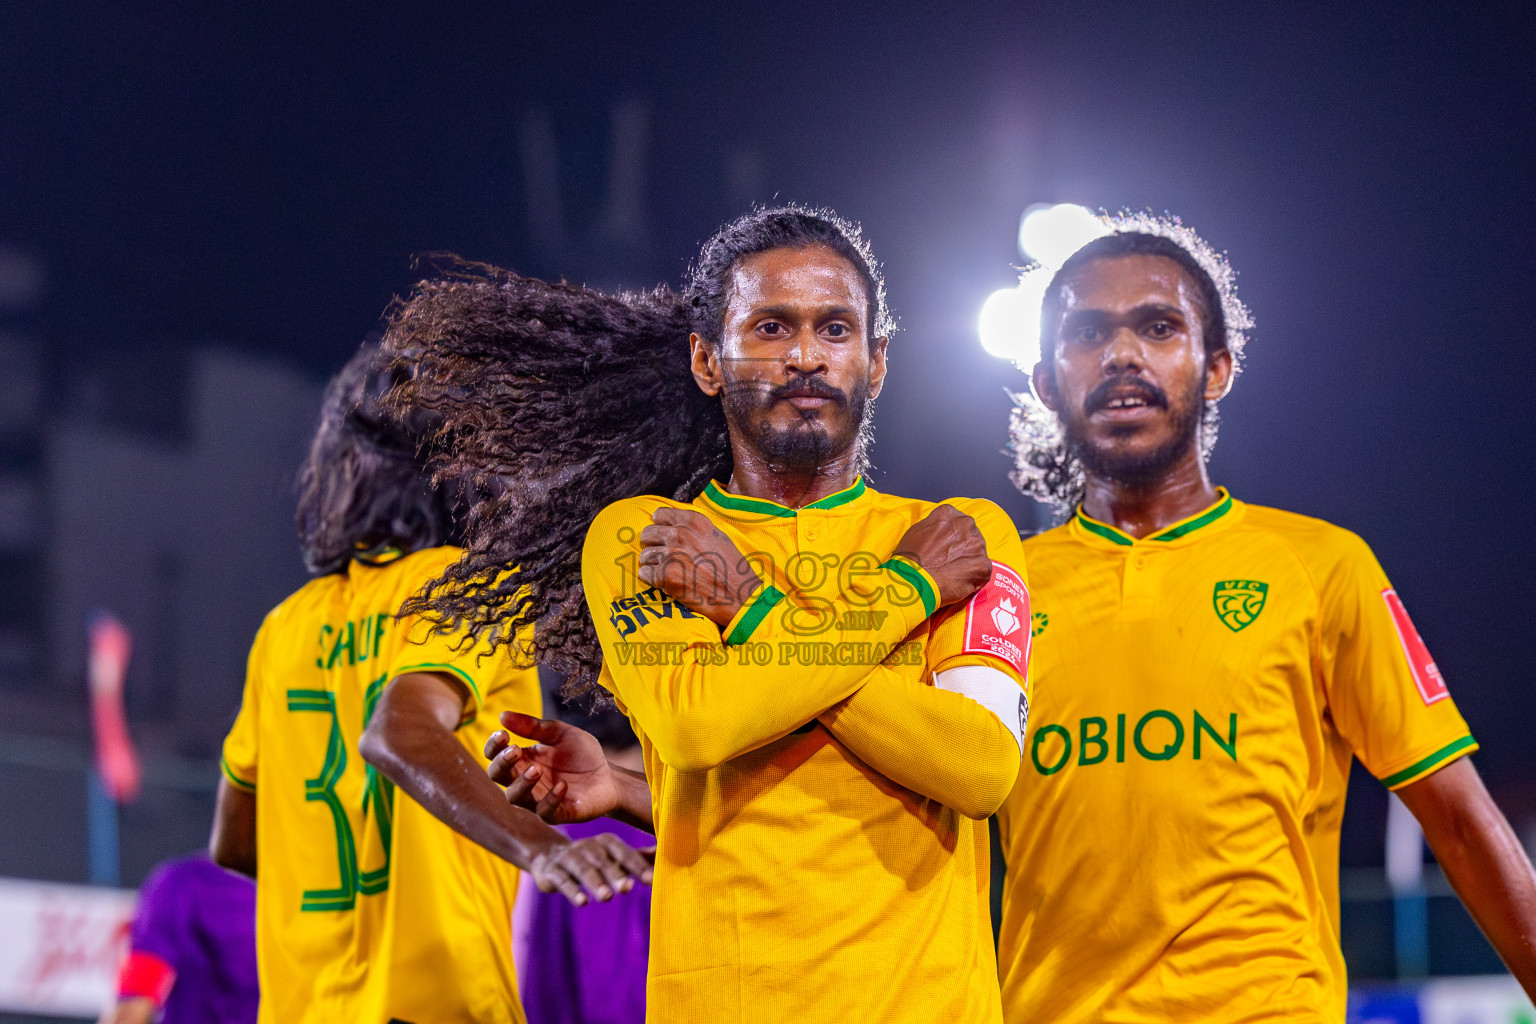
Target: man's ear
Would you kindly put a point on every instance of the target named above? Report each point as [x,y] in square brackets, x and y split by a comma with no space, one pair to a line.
[706,365]
[1218,375]
[1043,383]
[877,366]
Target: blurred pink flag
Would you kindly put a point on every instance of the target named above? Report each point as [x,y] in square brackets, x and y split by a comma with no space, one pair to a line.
[116,761]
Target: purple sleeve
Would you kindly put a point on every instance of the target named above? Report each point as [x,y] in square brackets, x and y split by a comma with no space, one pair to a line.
[160,922]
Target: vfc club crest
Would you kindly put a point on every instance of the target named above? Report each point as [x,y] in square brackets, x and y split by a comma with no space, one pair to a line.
[1239,602]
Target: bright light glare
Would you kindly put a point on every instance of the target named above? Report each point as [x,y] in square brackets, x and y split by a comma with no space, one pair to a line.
[1050,234]
[1010,320]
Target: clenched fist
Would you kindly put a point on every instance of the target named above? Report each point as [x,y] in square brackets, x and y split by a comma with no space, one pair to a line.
[687,556]
[949,547]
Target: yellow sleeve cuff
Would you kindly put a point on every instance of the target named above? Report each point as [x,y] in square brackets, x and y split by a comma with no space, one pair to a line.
[473,701]
[1428,765]
[235,780]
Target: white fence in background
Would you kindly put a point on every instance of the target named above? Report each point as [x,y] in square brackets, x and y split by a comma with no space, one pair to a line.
[60,946]
[1491,999]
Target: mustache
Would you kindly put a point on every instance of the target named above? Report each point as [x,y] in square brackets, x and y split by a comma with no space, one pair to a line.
[1123,387]
[807,385]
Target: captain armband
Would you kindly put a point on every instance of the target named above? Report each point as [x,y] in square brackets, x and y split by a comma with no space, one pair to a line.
[145,976]
[994,690]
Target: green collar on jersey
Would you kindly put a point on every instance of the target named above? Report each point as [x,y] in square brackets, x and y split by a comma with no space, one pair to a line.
[1182,528]
[741,503]
[379,554]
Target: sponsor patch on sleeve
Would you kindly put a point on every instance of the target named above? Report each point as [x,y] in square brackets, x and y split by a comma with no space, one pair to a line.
[997,619]
[1426,676]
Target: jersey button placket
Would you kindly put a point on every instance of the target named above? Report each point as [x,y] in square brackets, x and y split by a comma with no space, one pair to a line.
[1138,599]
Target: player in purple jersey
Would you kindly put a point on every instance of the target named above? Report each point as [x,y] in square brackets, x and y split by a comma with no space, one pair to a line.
[192,956]
[588,967]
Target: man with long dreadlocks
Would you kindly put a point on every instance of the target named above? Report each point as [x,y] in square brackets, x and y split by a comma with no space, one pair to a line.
[374,905]
[822,744]
[1207,670]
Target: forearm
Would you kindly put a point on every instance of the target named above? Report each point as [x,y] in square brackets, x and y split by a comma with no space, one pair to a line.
[429,764]
[1486,866]
[939,744]
[717,701]
[1483,860]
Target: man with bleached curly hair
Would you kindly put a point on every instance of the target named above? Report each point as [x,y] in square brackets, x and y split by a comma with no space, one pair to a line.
[1206,670]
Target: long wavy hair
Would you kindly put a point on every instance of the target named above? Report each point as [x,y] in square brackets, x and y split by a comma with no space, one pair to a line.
[365,484]
[556,400]
[1045,467]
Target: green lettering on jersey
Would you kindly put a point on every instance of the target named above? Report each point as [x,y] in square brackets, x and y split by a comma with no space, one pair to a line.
[1093,740]
[352,643]
[325,631]
[1066,752]
[1229,744]
[322,788]
[378,799]
[344,642]
[1168,751]
[1096,739]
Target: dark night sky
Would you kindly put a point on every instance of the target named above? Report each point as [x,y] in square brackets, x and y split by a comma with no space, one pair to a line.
[259,174]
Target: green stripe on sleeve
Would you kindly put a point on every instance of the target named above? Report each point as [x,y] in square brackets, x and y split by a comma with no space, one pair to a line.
[752,615]
[235,780]
[1428,764]
[453,670]
[920,581]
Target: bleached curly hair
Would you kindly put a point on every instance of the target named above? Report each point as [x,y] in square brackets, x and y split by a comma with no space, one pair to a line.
[1044,468]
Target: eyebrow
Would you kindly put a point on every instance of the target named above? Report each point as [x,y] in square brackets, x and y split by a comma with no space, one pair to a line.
[1143,312]
[789,311]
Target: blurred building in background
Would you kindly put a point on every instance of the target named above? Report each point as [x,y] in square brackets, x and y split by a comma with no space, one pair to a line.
[160,490]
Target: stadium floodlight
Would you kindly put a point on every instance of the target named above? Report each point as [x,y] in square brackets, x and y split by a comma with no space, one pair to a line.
[1010,319]
[1051,233]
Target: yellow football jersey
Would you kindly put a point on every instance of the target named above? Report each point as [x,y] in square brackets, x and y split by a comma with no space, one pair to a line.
[796,878]
[368,908]
[1172,843]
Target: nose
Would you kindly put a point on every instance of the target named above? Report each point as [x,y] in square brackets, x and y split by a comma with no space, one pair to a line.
[807,355]
[1122,354]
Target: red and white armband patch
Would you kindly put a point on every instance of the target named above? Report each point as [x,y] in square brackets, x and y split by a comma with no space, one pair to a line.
[1426,676]
[997,619]
[145,976]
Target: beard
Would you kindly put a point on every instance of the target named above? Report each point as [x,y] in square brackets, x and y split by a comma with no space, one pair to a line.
[808,445]
[1137,468]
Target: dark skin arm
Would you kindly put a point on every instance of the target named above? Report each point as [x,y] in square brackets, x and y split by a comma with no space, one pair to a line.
[410,739]
[585,784]
[233,842]
[1483,860]
[693,561]
[572,780]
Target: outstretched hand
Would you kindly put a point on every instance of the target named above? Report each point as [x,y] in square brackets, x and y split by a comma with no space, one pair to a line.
[604,864]
[690,559]
[564,779]
[950,548]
